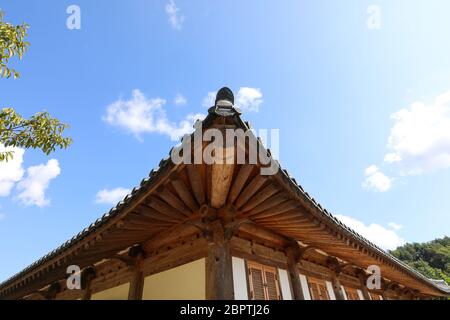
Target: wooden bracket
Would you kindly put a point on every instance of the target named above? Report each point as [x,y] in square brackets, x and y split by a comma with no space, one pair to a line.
[87,275]
[51,292]
[233,227]
[135,255]
[225,216]
[334,265]
[293,251]
[203,227]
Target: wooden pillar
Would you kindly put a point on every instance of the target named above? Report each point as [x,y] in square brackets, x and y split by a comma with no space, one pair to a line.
[293,257]
[363,281]
[137,280]
[337,287]
[336,269]
[87,276]
[219,269]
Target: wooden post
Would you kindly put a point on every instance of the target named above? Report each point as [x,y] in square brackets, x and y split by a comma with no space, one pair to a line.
[137,281]
[293,257]
[337,288]
[87,276]
[219,269]
[336,269]
[363,281]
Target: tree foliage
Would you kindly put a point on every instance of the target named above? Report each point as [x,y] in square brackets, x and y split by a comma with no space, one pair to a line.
[432,259]
[12,43]
[41,130]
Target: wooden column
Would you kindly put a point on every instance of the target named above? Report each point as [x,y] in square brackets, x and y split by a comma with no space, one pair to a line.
[137,280]
[87,276]
[219,270]
[363,281]
[337,288]
[293,257]
[335,267]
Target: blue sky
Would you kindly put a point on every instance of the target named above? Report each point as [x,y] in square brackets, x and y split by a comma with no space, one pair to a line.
[363,112]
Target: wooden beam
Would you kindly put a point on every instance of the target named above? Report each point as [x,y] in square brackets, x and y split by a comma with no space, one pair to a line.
[184,194]
[171,235]
[241,178]
[197,183]
[264,234]
[164,208]
[278,210]
[250,190]
[269,203]
[165,194]
[222,175]
[151,213]
[260,197]
[219,270]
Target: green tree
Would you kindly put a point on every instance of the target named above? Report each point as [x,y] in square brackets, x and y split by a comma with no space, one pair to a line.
[432,259]
[40,131]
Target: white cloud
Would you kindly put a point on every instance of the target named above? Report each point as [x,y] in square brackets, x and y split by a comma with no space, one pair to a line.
[141,115]
[419,141]
[381,236]
[32,187]
[112,196]
[12,171]
[248,99]
[180,100]
[173,13]
[395,226]
[209,100]
[376,180]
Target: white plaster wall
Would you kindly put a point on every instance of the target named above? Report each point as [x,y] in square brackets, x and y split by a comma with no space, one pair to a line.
[284,284]
[305,287]
[344,293]
[330,290]
[239,279]
[360,294]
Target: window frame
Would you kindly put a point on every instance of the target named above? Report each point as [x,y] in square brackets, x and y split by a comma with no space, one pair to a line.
[264,269]
[317,282]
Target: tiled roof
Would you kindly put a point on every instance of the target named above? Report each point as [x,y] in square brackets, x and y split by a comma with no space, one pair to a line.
[146,183]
